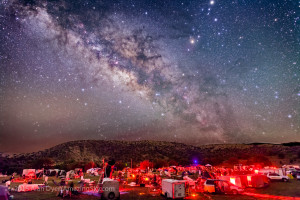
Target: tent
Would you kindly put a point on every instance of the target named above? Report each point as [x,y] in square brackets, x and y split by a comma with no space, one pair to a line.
[254,180]
[208,166]
[4,194]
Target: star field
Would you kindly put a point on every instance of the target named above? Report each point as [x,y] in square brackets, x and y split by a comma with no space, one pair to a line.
[197,72]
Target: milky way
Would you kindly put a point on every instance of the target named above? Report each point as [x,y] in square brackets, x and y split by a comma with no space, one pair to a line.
[187,71]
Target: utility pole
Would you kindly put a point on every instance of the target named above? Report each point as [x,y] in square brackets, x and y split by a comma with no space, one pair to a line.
[131,164]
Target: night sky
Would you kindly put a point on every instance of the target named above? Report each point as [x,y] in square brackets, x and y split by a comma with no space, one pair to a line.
[198,72]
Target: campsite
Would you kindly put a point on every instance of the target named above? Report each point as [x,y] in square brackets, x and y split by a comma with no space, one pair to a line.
[149,183]
[149,99]
[242,171]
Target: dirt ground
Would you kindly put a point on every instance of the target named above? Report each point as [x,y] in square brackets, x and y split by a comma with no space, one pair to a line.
[278,190]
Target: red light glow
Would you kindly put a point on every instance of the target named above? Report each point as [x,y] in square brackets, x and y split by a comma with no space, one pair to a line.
[270,196]
[232,180]
[249,178]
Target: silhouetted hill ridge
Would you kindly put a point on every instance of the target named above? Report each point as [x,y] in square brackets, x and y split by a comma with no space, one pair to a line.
[123,151]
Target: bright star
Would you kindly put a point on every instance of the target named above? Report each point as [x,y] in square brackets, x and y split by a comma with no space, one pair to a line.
[192,41]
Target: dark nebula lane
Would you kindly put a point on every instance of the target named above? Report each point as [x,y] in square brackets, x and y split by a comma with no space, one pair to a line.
[197,72]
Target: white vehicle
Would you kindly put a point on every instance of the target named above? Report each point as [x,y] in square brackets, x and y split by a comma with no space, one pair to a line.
[298,176]
[174,189]
[4,193]
[110,189]
[275,176]
[221,186]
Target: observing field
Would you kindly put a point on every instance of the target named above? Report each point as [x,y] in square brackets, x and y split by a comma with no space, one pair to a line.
[149,99]
[280,190]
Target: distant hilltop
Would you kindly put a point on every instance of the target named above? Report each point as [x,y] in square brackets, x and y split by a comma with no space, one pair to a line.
[124,151]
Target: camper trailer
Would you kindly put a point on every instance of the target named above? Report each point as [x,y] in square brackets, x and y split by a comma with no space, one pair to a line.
[174,189]
[110,189]
[29,173]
